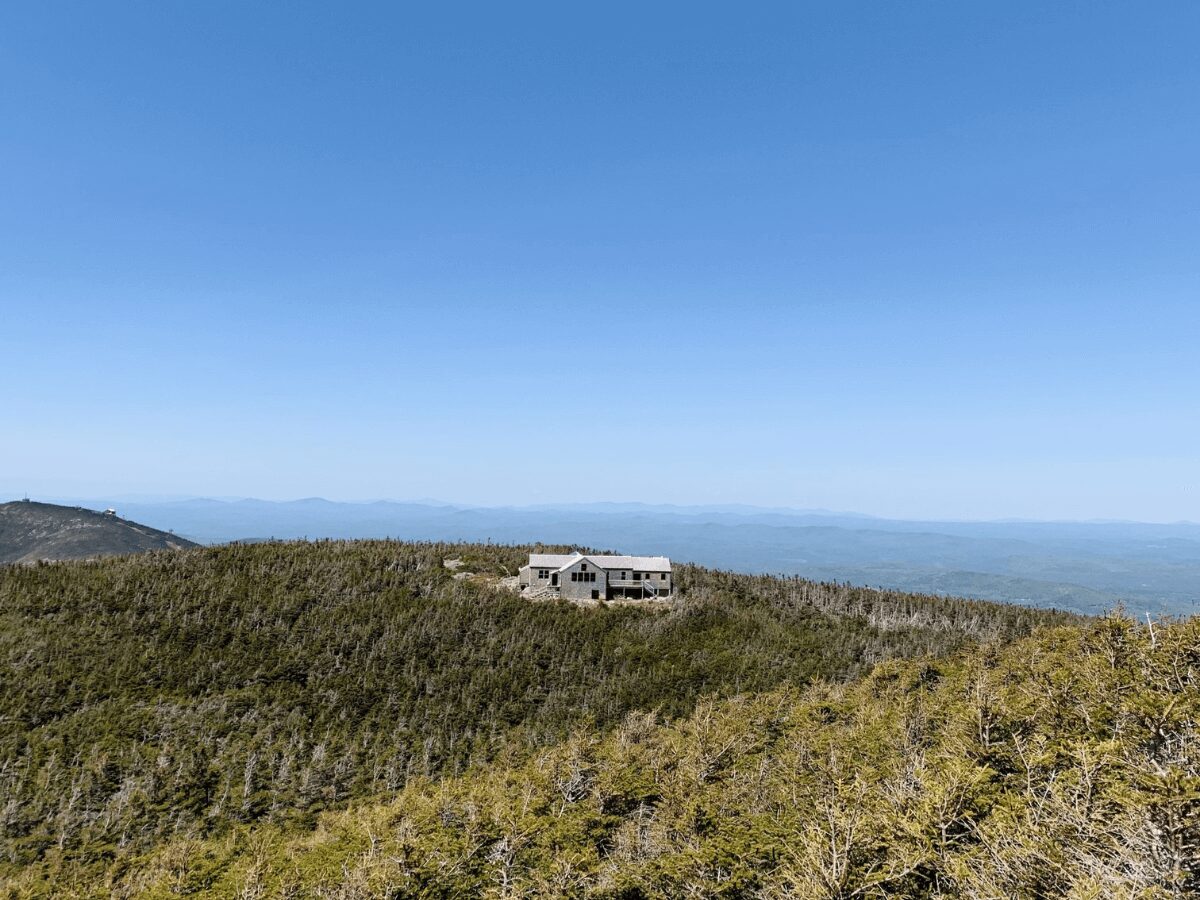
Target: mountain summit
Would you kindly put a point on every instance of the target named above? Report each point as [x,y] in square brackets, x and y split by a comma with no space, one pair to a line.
[32,531]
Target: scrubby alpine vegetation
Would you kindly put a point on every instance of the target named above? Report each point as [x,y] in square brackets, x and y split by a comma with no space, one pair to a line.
[158,712]
[1066,765]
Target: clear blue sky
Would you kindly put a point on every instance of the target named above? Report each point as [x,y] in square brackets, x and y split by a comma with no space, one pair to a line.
[913,259]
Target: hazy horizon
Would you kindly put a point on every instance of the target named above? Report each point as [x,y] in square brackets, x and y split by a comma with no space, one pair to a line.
[1087,566]
[729,508]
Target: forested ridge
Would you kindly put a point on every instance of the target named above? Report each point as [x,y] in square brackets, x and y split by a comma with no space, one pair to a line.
[191,695]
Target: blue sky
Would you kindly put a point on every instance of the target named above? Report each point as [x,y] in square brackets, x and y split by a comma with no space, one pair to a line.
[919,259]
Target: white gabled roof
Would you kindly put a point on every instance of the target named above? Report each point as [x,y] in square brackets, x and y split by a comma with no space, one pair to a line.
[561,561]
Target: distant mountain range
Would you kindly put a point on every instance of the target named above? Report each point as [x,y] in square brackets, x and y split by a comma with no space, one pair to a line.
[1085,566]
[35,531]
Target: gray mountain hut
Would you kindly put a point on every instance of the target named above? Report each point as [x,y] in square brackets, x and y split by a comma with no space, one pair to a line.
[575,576]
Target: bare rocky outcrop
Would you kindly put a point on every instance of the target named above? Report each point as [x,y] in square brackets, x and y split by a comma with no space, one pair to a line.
[30,532]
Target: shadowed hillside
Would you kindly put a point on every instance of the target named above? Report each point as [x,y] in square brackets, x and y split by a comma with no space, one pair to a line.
[35,531]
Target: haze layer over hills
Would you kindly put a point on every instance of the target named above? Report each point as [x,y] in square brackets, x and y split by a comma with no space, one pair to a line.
[1088,567]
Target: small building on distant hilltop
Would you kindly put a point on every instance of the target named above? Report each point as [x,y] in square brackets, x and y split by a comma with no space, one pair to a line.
[575,576]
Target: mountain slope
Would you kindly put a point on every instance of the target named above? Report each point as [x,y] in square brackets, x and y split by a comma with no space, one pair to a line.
[1065,765]
[35,531]
[161,695]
